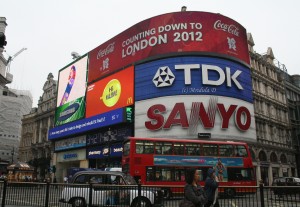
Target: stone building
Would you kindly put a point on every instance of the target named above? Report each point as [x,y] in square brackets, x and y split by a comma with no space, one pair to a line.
[292,87]
[13,105]
[35,147]
[274,152]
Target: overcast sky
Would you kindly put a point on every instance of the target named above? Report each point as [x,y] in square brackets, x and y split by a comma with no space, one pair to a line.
[52,29]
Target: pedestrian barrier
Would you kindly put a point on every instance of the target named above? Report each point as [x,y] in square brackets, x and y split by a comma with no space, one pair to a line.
[50,195]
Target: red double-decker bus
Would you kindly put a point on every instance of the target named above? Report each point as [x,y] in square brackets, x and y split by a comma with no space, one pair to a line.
[161,161]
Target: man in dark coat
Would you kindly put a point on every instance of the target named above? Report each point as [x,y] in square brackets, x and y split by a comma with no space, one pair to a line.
[210,187]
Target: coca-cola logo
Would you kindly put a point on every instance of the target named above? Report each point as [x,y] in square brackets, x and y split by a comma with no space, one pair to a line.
[230,28]
[109,49]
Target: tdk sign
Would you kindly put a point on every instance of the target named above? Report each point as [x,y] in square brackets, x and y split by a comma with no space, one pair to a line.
[205,77]
[193,76]
[165,77]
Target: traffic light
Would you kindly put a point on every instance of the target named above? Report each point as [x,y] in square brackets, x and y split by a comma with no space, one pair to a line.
[2,40]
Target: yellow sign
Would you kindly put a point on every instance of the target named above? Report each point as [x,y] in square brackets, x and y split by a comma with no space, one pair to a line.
[111,93]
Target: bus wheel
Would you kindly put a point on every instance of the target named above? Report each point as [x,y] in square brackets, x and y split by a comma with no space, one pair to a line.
[230,192]
[167,193]
[78,202]
[144,203]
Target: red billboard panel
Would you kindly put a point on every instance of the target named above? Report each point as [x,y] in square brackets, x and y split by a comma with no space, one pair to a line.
[170,33]
[110,93]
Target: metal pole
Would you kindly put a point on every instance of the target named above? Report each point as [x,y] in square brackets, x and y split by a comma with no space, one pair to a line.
[261,189]
[47,193]
[90,195]
[12,155]
[4,193]
[139,193]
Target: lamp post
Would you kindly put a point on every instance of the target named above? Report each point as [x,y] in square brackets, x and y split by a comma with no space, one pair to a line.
[109,137]
[12,154]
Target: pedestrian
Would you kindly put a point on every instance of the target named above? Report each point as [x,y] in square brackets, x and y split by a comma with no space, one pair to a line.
[55,181]
[211,188]
[65,179]
[194,195]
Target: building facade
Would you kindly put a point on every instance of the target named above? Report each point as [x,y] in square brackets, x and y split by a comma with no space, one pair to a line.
[35,148]
[292,87]
[13,105]
[274,152]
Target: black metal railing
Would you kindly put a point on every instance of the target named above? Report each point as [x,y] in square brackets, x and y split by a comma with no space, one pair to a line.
[58,194]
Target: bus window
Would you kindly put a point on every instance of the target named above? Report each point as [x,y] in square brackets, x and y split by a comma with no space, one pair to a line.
[226,150]
[126,149]
[167,148]
[166,174]
[150,174]
[158,175]
[210,149]
[144,147]
[158,146]
[192,149]
[178,149]
[179,175]
[139,148]
[148,147]
[240,174]
[241,151]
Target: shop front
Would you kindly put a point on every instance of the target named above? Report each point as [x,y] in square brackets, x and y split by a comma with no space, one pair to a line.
[69,159]
[101,157]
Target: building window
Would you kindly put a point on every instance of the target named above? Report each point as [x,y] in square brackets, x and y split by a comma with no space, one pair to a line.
[262,156]
[273,157]
[283,158]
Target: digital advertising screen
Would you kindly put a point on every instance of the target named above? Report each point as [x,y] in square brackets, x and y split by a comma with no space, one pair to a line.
[70,143]
[72,82]
[110,93]
[192,96]
[71,111]
[179,32]
[193,76]
[189,116]
[80,126]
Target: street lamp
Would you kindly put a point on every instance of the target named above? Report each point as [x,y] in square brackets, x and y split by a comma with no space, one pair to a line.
[12,155]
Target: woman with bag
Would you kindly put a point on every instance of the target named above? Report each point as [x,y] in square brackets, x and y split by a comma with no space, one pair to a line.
[194,195]
[211,188]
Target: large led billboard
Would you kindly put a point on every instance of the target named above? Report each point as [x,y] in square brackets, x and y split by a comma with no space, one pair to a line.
[189,116]
[71,92]
[110,93]
[80,126]
[72,82]
[185,97]
[193,76]
[180,32]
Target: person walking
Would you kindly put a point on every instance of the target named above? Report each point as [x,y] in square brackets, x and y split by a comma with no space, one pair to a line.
[193,193]
[65,179]
[211,188]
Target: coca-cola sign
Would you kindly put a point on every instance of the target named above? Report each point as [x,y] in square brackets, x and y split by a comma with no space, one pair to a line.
[109,49]
[171,33]
[230,28]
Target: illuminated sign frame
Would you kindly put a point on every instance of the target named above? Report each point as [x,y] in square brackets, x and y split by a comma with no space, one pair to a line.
[102,120]
[178,32]
[110,93]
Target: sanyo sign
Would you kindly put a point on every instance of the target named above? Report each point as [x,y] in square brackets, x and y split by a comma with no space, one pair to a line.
[190,95]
